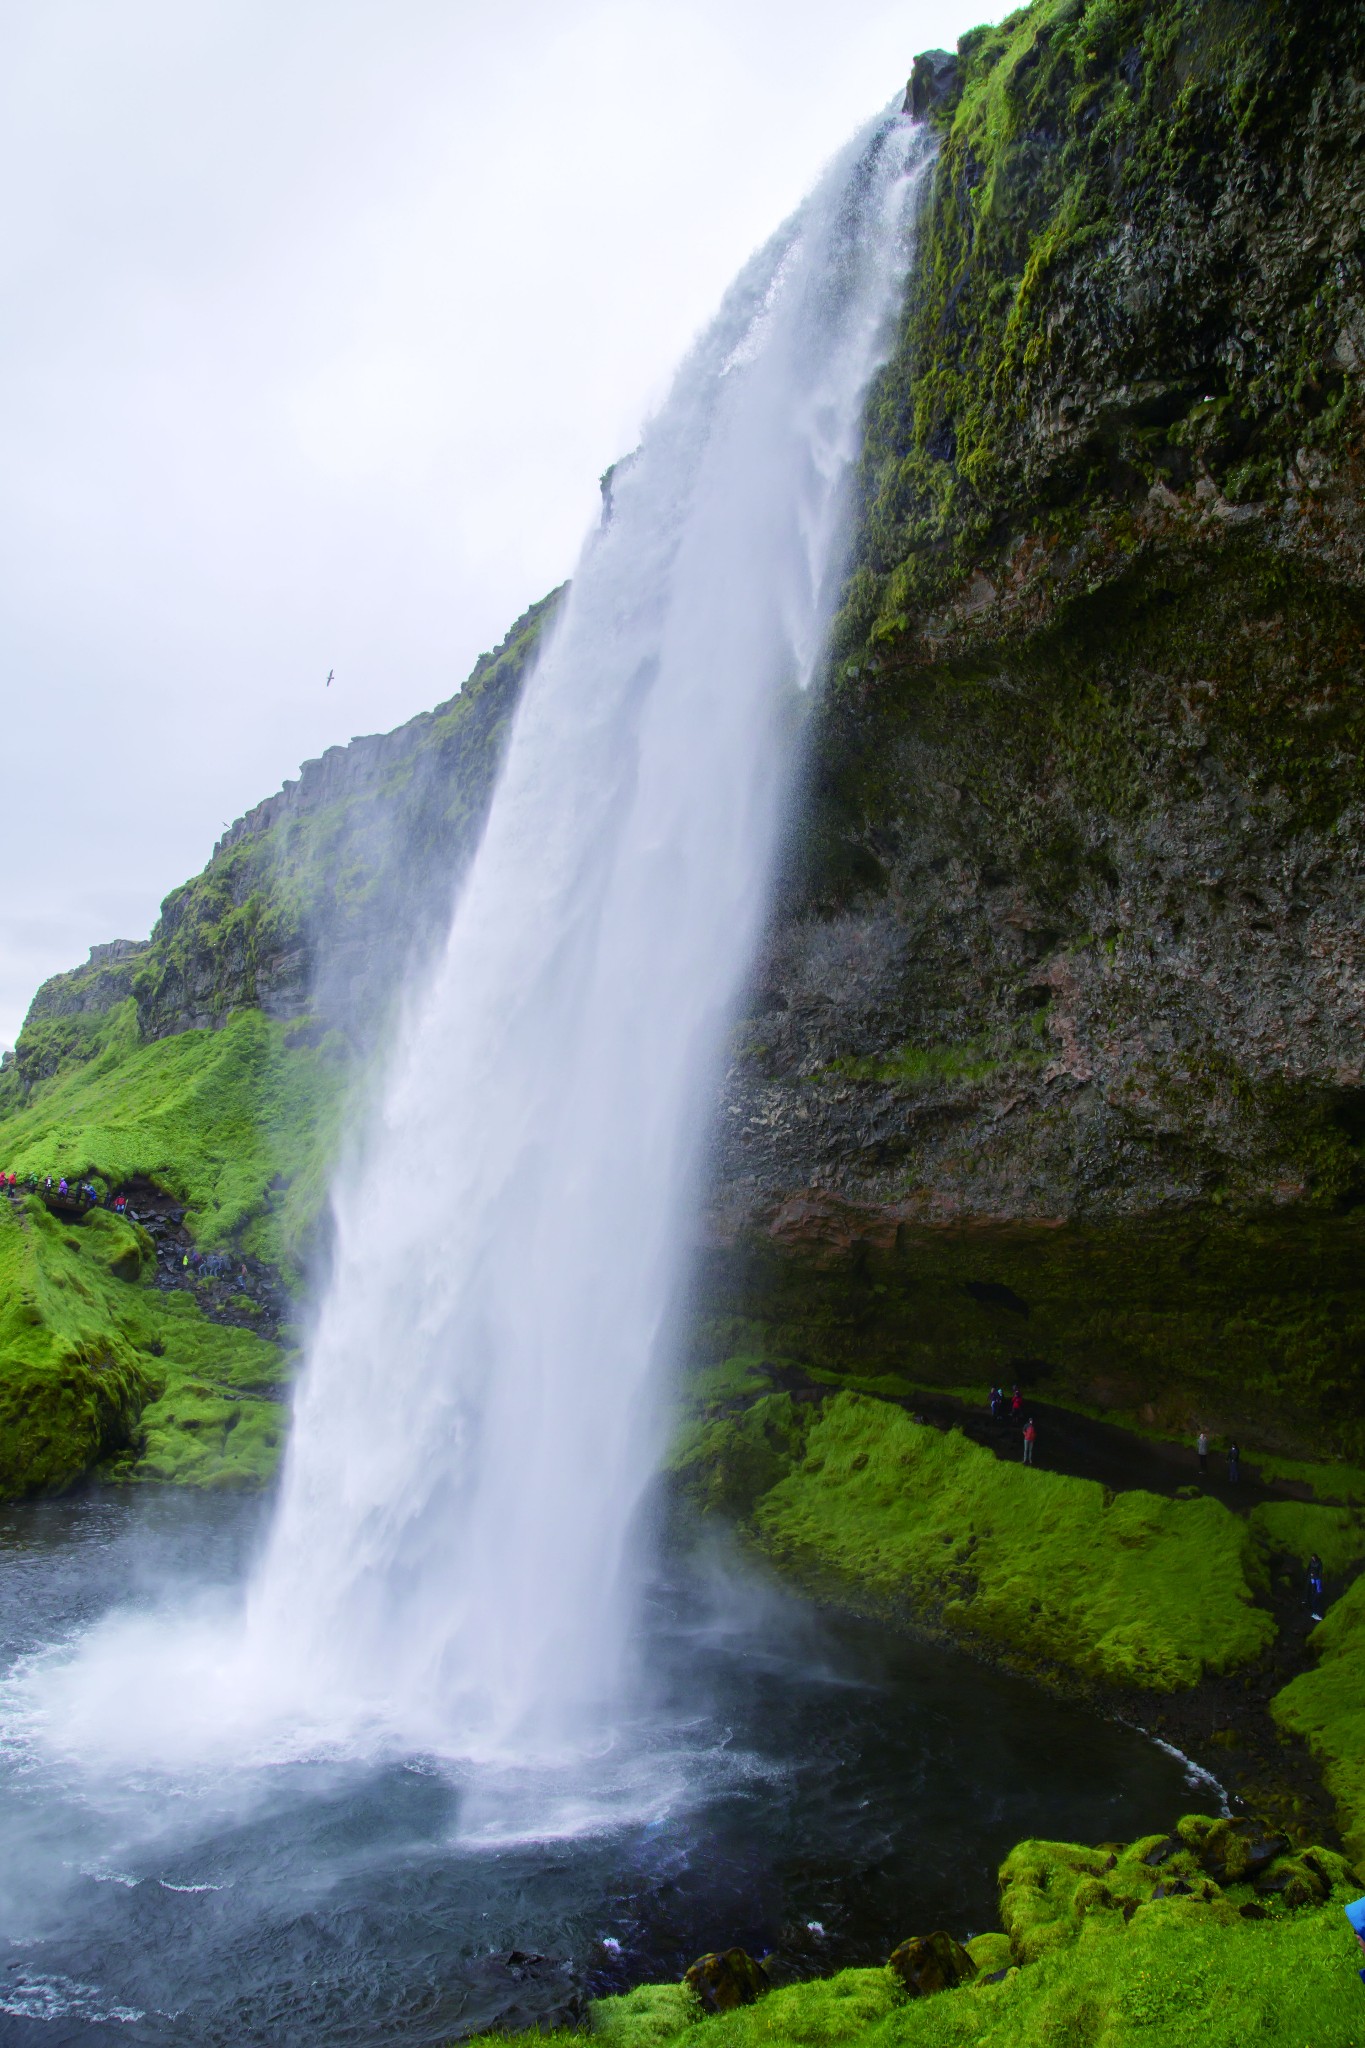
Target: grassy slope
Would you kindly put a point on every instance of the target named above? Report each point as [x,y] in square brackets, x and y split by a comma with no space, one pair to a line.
[99,1364]
[240,1124]
[1130,1590]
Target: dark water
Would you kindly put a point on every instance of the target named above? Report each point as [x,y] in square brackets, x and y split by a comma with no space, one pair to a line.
[800,1785]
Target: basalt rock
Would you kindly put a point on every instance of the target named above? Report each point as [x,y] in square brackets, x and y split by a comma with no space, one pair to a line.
[1070,941]
[931,1962]
[724,1979]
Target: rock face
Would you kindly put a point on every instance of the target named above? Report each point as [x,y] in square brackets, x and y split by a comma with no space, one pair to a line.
[60,1018]
[1071,941]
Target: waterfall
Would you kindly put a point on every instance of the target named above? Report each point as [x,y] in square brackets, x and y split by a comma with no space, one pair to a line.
[454,1557]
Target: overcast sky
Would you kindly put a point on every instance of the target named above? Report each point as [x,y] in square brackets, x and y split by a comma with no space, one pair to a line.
[322,318]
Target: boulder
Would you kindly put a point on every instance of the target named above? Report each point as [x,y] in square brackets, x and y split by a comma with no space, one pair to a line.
[933,79]
[1232,1851]
[931,1962]
[724,1979]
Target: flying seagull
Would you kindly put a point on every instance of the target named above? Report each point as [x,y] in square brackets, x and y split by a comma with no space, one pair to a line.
[328,684]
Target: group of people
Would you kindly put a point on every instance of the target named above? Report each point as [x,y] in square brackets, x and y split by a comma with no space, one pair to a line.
[1014,1408]
[211,1265]
[1234,1456]
[81,1190]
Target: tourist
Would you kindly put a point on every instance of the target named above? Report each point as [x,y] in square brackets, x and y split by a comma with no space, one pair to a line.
[1355,1913]
[1315,1582]
[1016,1402]
[1030,1437]
[1203,1449]
[1234,1464]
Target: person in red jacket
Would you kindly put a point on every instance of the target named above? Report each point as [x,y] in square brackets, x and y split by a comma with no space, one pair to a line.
[1030,1438]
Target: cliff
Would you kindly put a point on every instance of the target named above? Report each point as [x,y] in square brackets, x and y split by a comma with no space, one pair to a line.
[1065,994]
[315,902]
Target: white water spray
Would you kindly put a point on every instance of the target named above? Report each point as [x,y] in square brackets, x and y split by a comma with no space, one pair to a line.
[451,1562]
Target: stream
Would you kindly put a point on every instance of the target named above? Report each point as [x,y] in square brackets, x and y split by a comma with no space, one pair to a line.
[791,1782]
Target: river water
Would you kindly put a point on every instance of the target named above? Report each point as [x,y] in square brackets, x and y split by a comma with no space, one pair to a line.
[794,1783]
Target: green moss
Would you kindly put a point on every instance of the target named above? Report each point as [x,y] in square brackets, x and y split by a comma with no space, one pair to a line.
[1079,132]
[1103,1950]
[1131,1590]
[1328,1482]
[1298,1528]
[726,1462]
[990,1952]
[1182,1974]
[240,1124]
[1327,1707]
[98,1368]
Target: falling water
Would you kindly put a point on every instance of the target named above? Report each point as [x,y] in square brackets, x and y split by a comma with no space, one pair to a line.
[453,1559]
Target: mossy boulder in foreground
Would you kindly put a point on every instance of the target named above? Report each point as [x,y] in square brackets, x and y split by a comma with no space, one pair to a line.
[721,1981]
[931,1962]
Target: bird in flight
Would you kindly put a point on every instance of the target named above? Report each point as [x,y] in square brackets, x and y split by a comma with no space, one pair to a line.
[328,684]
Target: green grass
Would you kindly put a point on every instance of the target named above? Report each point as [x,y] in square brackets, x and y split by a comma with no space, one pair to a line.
[1327,1707]
[1181,1972]
[1297,1528]
[1131,1589]
[97,1365]
[1344,1484]
[237,1123]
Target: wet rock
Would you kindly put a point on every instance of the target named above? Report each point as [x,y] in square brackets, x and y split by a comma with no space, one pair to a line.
[1232,1851]
[724,1979]
[931,1962]
[933,80]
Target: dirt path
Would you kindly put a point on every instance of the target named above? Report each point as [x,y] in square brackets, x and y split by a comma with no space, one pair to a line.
[1090,1449]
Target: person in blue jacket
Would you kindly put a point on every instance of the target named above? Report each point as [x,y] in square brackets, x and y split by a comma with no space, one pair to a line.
[1355,1913]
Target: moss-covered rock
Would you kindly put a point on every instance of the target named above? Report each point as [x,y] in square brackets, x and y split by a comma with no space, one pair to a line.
[931,1962]
[101,1370]
[1111,1950]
